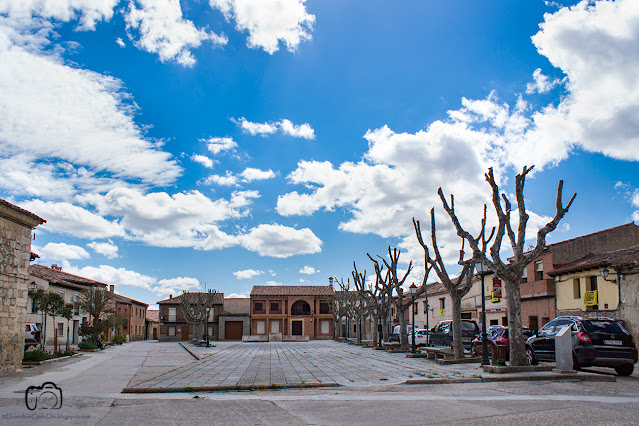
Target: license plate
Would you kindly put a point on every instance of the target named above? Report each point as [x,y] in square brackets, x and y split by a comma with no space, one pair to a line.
[613,342]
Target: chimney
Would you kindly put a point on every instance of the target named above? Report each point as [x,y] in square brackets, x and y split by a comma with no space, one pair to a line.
[112,288]
[330,281]
[170,296]
[56,267]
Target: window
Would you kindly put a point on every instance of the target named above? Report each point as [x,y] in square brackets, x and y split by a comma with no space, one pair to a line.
[172,314]
[442,304]
[60,329]
[275,307]
[33,307]
[76,307]
[84,320]
[325,308]
[539,270]
[261,327]
[533,322]
[275,326]
[576,288]
[171,331]
[524,276]
[426,306]
[324,326]
[61,293]
[210,330]
[211,313]
[258,307]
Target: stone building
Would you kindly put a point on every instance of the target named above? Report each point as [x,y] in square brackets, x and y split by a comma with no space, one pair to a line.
[152,324]
[16,225]
[292,310]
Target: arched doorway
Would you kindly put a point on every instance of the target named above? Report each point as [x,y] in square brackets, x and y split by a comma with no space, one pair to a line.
[300,308]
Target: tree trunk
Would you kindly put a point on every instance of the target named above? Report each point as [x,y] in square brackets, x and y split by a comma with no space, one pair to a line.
[515,334]
[67,335]
[403,336]
[375,331]
[55,339]
[458,344]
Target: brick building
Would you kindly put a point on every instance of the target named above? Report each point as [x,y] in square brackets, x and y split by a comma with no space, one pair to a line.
[173,325]
[16,225]
[292,310]
[538,287]
[134,314]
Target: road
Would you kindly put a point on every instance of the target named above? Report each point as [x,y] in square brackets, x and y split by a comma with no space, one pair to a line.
[92,383]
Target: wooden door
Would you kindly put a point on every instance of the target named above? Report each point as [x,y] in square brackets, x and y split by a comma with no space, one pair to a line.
[296,328]
[185,332]
[233,330]
[155,333]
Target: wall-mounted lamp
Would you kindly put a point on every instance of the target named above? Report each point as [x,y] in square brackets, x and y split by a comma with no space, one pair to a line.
[604,272]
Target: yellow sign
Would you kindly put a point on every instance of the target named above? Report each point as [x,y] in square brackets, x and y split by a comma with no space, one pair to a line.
[495,297]
[442,312]
[590,298]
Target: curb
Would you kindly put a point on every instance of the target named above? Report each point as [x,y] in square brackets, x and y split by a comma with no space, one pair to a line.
[523,378]
[228,388]
[190,352]
[48,361]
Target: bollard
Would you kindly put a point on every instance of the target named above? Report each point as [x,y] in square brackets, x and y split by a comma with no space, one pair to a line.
[563,351]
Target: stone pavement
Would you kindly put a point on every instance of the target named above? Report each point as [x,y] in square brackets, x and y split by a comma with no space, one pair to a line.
[315,363]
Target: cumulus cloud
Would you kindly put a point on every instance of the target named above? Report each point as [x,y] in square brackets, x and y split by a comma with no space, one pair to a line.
[247,274]
[62,251]
[203,160]
[308,270]
[227,180]
[237,296]
[108,249]
[157,26]
[280,241]
[175,286]
[217,145]
[250,174]
[541,83]
[269,21]
[87,12]
[120,42]
[285,126]
[70,219]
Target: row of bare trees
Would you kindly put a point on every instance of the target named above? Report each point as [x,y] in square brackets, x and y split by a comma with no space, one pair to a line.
[373,300]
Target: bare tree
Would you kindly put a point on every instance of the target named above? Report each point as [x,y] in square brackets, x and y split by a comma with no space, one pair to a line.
[459,286]
[194,308]
[510,272]
[384,292]
[371,301]
[339,311]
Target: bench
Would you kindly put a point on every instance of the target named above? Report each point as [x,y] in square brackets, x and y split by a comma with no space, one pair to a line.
[391,346]
[351,341]
[367,343]
[435,353]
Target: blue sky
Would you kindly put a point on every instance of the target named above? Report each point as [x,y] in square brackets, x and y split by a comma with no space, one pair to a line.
[181,145]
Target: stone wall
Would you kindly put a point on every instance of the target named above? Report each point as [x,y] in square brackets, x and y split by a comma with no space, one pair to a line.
[629,305]
[15,250]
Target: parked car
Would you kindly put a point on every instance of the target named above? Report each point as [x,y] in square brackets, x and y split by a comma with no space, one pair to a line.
[421,337]
[31,335]
[395,336]
[442,333]
[601,342]
[497,336]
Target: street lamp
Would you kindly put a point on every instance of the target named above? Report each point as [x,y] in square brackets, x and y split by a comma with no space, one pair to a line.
[481,270]
[413,290]
[380,332]
[208,310]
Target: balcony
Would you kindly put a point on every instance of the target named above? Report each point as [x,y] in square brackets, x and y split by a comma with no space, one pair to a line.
[540,288]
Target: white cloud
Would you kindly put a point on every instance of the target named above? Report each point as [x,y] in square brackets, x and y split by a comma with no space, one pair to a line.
[280,241]
[161,28]
[247,274]
[255,128]
[175,286]
[55,111]
[250,174]
[203,160]
[302,131]
[227,180]
[217,145]
[273,283]
[62,251]
[594,44]
[70,219]
[120,42]
[269,21]
[88,12]
[187,219]
[542,83]
[308,270]
[108,249]
[237,296]
[285,126]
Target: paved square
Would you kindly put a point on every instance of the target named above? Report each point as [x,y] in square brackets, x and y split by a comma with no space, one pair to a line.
[319,362]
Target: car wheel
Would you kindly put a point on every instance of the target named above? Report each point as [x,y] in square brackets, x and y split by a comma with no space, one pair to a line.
[575,363]
[530,355]
[625,370]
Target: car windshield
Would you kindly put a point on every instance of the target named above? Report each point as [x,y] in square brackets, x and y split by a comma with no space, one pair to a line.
[468,326]
[606,326]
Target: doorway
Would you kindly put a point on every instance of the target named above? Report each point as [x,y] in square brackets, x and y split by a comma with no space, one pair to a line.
[76,330]
[185,332]
[296,328]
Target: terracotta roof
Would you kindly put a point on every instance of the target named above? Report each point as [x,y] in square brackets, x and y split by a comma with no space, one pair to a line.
[592,261]
[292,290]
[21,210]
[58,277]
[125,299]
[435,288]
[219,299]
[630,226]
[153,315]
